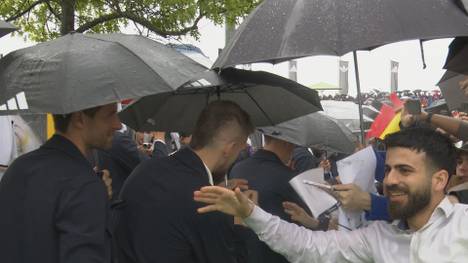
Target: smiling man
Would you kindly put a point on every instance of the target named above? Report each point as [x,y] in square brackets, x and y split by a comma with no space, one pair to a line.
[427,226]
[53,206]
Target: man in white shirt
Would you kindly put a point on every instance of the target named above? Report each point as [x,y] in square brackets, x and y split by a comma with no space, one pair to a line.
[428,227]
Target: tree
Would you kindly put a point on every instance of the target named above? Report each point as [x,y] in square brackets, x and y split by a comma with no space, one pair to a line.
[48,19]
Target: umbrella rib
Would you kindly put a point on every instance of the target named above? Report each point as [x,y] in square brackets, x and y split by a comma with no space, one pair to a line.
[261,109]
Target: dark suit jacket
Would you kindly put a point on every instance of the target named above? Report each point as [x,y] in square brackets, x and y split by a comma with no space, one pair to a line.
[120,160]
[270,177]
[159,150]
[159,222]
[53,208]
[303,160]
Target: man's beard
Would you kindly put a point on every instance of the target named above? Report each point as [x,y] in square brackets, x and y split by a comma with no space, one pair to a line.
[416,201]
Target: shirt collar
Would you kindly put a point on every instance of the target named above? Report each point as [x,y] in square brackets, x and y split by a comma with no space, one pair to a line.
[445,208]
[210,176]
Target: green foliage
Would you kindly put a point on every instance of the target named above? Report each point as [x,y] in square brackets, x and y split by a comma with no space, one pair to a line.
[42,19]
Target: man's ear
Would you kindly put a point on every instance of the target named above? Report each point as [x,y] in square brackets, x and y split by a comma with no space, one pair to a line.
[77,120]
[440,180]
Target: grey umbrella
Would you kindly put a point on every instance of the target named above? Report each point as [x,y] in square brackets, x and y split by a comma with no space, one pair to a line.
[269,99]
[315,130]
[450,88]
[6,28]
[458,56]
[280,30]
[79,71]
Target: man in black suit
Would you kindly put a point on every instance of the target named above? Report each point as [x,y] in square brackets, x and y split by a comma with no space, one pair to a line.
[267,173]
[159,220]
[120,160]
[53,207]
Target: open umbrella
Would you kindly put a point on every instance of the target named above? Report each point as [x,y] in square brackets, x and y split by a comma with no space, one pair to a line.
[346,112]
[280,30]
[458,56]
[316,130]
[454,96]
[6,28]
[80,71]
[269,99]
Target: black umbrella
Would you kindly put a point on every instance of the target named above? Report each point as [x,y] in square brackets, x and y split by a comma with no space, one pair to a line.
[6,28]
[80,71]
[280,30]
[454,96]
[269,99]
[316,130]
[438,107]
[457,58]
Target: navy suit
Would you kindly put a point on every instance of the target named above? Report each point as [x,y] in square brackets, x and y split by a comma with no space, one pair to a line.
[158,219]
[53,208]
[120,160]
[303,159]
[160,150]
[268,175]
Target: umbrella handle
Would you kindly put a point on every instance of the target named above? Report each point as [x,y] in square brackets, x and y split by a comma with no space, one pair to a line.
[422,53]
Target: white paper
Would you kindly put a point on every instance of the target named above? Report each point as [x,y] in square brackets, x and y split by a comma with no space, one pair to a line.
[7,140]
[315,198]
[358,168]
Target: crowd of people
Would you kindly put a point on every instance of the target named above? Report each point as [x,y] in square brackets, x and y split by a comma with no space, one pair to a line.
[425,97]
[94,193]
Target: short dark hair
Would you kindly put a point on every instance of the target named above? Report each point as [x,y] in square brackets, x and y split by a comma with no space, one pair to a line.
[214,117]
[439,149]
[61,121]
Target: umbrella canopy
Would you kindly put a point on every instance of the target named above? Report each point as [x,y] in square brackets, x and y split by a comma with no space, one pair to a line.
[438,107]
[80,71]
[346,112]
[6,28]
[458,56]
[315,130]
[449,85]
[280,30]
[269,99]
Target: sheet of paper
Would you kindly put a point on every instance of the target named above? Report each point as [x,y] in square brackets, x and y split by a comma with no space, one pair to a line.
[7,140]
[358,168]
[315,198]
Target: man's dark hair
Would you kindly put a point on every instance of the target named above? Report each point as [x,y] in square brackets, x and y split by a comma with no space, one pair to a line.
[439,149]
[61,121]
[215,116]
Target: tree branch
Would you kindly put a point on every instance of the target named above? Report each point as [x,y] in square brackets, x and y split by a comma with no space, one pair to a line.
[51,9]
[144,22]
[25,11]
[99,20]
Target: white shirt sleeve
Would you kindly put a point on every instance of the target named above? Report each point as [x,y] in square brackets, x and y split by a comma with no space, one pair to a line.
[301,245]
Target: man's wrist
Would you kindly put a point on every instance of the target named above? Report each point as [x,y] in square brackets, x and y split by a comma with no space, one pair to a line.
[248,211]
[428,118]
[367,203]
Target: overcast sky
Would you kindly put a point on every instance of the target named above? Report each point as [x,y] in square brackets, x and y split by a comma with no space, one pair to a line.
[374,65]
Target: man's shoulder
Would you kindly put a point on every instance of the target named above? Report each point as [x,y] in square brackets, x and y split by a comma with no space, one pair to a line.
[461,210]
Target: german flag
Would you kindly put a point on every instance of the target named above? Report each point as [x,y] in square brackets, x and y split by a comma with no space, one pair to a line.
[388,120]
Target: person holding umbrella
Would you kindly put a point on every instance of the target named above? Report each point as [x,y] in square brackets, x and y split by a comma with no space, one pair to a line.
[53,205]
[430,228]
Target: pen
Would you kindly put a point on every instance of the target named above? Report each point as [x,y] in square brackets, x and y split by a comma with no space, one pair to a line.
[329,187]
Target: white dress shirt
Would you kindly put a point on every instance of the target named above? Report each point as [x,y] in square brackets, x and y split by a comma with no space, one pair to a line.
[210,176]
[443,239]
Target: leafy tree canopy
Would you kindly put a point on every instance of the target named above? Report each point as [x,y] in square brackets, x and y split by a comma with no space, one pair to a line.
[48,19]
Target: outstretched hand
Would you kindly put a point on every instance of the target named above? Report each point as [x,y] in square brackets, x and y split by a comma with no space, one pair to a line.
[352,197]
[218,198]
[299,215]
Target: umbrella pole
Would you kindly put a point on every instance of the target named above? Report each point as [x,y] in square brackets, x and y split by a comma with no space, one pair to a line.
[358,86]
